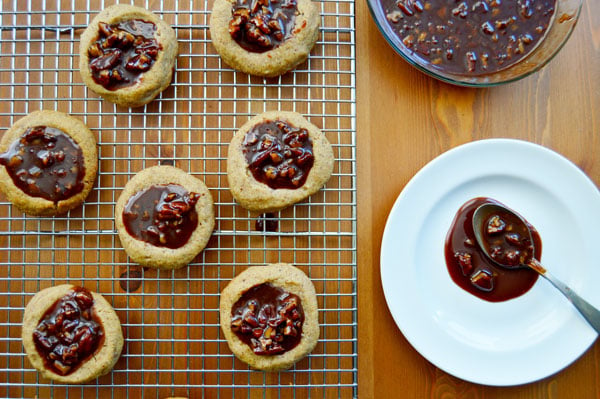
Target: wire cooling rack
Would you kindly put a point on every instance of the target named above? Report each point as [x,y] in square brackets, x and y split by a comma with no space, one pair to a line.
[174,346]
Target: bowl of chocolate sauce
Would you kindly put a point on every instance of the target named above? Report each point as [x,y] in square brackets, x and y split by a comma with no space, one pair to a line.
[476,42]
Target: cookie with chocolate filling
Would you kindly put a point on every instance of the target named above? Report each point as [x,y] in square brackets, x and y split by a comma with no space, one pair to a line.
[264,37]
[269,316]
[127,55]
[70,334]
[48,163]
[276,159]
[164,217]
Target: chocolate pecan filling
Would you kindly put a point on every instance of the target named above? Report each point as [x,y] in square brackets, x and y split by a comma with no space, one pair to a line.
[268,319]
[162,215]
[471,269]
[261,25]
[123,52]
[469,37]
[45,162]
[279,154]
[69,332]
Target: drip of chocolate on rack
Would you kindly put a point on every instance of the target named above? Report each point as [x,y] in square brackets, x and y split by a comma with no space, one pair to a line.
[131,279]
[267,222]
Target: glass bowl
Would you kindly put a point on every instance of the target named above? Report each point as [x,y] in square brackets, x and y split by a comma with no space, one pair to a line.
[561,25]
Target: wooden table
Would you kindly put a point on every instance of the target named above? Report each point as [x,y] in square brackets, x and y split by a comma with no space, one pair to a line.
[405,119]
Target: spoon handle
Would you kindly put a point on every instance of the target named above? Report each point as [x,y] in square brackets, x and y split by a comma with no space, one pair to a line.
[589,312]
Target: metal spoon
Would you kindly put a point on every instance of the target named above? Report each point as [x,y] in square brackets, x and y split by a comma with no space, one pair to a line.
[480,219]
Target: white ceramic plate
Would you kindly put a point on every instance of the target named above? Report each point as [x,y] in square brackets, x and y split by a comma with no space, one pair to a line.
[504,343]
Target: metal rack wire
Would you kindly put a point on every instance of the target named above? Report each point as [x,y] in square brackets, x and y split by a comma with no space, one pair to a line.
[174,346]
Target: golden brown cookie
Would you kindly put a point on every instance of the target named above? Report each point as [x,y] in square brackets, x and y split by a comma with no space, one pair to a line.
[276,159]
[164,217]
[49,163]
[127,55]
[71,335]
[264,37]
[269,316]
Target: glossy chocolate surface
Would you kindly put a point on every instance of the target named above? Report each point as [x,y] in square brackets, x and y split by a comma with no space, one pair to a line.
[123,52]
[45,162]
[470,268]
[261,25]
[279,154]
[268,319]
[162,215]
[69,333]
[469,37]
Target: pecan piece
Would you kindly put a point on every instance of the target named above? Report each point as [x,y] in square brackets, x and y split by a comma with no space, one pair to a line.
[274,25]
[139,63]
[254,35]
[104,29]
[483,279]
[106,61]
[235,27]
[124,39]
[495,225]
[95,50]
[260,23]
[465,262]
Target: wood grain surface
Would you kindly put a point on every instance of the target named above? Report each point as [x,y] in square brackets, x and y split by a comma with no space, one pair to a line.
[405,119]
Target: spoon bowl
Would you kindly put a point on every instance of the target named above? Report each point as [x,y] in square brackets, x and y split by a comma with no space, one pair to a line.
[505,238]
